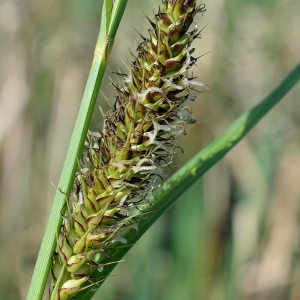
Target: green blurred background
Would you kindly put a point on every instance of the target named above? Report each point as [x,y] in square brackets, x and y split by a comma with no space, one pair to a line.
[234,234]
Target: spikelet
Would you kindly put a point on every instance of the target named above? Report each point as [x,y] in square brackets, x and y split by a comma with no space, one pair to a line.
[120,164]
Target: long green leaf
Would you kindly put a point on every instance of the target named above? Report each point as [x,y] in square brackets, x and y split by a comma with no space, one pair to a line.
[174,187]
[111,17]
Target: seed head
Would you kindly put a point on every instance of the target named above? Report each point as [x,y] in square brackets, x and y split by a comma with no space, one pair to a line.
[120,164]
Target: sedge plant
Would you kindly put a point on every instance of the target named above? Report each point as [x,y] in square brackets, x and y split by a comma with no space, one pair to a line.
[108,204]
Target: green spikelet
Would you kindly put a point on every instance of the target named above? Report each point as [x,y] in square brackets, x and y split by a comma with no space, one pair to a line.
[120,164]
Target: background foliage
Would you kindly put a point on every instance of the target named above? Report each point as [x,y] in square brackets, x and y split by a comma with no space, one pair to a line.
[234,234]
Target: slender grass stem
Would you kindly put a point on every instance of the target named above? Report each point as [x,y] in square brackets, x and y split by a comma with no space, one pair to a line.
[174,187]
[111,17]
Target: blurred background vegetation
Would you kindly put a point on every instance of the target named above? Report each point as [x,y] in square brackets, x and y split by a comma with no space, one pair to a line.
[234,234]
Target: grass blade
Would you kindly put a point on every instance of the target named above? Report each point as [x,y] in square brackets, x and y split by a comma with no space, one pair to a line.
[174,187]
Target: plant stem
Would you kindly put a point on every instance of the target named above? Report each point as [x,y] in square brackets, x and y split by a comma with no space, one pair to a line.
[111,17]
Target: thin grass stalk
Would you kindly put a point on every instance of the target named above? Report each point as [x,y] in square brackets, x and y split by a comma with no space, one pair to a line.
[111,17]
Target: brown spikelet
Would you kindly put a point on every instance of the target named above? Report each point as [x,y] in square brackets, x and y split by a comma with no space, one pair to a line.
[119,164]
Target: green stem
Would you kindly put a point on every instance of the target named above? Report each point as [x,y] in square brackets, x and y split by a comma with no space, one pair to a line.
[176,185]
[111,17]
